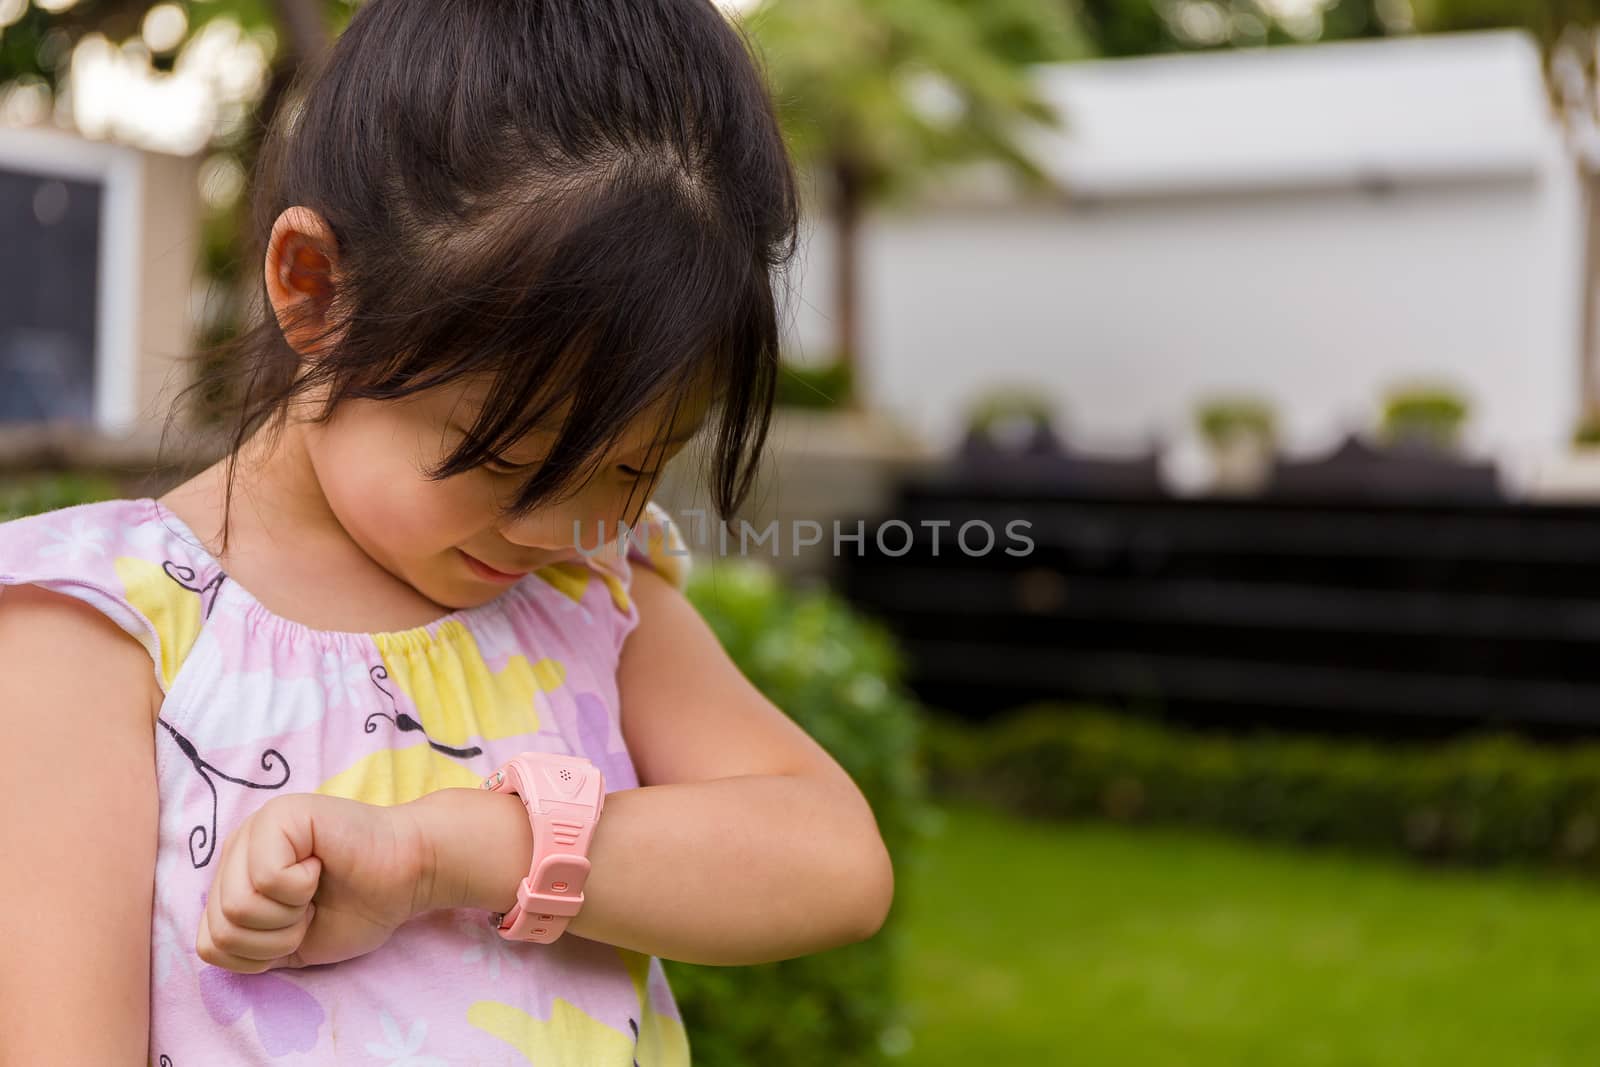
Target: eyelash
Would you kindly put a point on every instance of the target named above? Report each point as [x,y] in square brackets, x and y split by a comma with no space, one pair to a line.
[508,470]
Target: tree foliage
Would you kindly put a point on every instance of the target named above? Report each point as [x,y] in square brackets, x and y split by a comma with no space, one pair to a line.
[1146,27]
[896,88]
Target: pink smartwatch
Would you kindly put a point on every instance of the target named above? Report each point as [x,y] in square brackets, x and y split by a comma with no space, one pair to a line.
[564,796]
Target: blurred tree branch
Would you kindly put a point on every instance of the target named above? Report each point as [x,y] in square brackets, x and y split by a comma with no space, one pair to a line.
[877,95]
[1147,27]
[1568,33]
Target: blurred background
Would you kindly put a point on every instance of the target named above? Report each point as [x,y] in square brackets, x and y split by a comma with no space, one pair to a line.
[1276,324]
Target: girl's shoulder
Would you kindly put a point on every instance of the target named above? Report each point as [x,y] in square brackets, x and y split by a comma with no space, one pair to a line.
[125,558]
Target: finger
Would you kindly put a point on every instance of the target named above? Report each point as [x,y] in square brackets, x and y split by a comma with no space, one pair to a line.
[281,865]
[215,956]
[260,946]
[256,912]
[250,951]
[236,902]
[206,948]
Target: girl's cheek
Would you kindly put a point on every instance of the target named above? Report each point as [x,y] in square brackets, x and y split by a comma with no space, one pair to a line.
[455,509]
[417,516]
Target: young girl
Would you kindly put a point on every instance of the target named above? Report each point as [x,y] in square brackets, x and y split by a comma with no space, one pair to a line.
[517,253]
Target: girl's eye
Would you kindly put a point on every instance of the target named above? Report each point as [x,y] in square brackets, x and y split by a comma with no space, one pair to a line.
[635,473]
[495,466]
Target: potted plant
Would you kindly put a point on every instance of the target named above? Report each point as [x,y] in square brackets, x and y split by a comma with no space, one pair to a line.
[1242,435]
[1012,419]
[1586,438]
[815,386]
[1424,417]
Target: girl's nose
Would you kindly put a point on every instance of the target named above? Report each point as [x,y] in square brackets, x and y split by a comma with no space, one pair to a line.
[561,528]
[548,528]
[588,519]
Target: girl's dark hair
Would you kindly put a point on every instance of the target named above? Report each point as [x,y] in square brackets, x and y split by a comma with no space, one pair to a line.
[586,200]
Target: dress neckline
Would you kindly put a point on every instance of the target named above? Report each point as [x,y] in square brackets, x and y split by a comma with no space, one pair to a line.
[409,637]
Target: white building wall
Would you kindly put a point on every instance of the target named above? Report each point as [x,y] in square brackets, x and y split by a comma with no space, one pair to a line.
[1430,232]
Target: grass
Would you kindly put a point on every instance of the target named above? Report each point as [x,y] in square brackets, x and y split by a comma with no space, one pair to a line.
[1098,946]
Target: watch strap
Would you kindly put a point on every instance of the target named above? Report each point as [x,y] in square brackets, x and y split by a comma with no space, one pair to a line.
[563,797]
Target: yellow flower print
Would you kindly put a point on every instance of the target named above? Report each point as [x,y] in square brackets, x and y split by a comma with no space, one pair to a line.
[569,579]
[173,610]
[398,776]
[663,1042]
[572,580]
[570,1036]
[658,542]
[458,698]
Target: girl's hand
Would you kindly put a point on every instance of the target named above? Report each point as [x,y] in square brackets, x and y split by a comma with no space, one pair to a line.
[310,879]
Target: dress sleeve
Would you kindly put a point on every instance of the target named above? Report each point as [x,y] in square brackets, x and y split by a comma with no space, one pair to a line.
[662,548]
[108,556]
[656,543]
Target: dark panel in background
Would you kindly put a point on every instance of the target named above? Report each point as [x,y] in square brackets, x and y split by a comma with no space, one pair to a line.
[1326,615]
[50,237]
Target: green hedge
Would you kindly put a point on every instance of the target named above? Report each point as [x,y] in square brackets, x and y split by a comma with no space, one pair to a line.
[29,496]
[1485,799]
[838,677]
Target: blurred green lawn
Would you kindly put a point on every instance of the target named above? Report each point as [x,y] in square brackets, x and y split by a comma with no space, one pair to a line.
[1036,944]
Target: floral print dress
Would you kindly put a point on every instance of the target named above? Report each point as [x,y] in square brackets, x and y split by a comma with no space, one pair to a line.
[257,706]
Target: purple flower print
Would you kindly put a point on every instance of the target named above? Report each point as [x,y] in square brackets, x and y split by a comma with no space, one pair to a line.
[594,735]
[286,1017]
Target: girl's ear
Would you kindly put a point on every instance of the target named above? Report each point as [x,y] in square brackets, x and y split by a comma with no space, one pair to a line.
[302,278]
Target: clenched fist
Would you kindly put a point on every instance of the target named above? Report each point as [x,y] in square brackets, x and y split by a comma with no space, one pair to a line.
[310,879]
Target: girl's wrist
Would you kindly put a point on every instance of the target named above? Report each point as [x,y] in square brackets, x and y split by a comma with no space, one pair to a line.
[477,847]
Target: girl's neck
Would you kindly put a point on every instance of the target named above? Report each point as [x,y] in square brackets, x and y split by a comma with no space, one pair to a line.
[286,546]
[276,494]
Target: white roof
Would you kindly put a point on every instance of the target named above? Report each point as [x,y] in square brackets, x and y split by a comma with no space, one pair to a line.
[1447,107]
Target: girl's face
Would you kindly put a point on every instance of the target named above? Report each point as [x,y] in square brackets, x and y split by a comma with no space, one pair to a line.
[451,540]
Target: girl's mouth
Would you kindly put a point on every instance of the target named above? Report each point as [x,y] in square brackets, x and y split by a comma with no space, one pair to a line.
[488,573]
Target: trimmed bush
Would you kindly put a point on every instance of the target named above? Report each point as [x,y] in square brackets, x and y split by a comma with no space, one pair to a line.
[838,677]
[33,495]
[1481,800]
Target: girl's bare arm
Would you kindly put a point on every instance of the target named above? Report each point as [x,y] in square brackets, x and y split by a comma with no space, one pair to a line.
[754,845]
[77,835]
